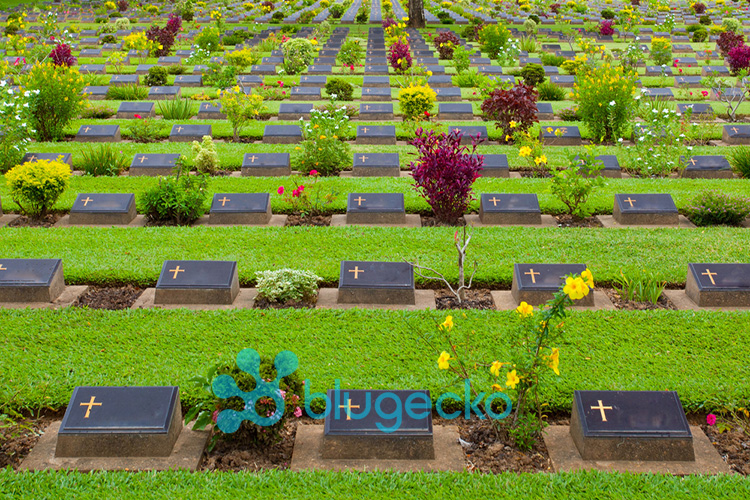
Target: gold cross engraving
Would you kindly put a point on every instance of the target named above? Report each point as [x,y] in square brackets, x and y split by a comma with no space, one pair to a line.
[356,271]
[363,158]
[90,404]
[360,200]
[175,271]
[494,201]
[692,161]
[179,129]
[710,276]
[349,407]
[86,130]
[86,201]
[364,130]
[253,158]
[629,200]
[601,408]
[3,268]
[532,273]
[735,129]
[224,200]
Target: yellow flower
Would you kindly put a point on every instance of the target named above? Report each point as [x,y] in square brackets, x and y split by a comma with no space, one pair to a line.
[497,387]
[495,368]
[322,137]
[588,278]
[525,151]
[525,309]
[543,159]
[575,288]
[513,124]
[512,380]
[507,138]
[443,361]
[538,160]
[447,324]
[553,360]
[404,18]
[549,130]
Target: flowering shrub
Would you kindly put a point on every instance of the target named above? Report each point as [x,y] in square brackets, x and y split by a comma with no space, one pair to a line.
[206,157]
[729,40]
[445,172]
[323,149]
[713,208]
[513,109]
[298,55]
[533,360]
[351,53]
[661,51]
[36,185]
[445,42]
[272,92]
[15,131]
[388,22]
[242,58]
[208,40]
[61,55]
[605,102]
[240,108]
[416,102]
[287,285]
[163,38]
[308,199]
[145,130]
[739,59]
[493,38]
[55,98]
[574,185]
[399,56]
[531,149]
[698,8]
[176,200]
[606,28]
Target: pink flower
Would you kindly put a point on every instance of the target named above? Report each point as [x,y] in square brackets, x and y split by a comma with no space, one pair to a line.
[711,419]
[215,415]
[295,193]
[283,394]
[280,190]
[313,173]
[137,116]
[298,412]
[704,93]
[301,188]
[283,92]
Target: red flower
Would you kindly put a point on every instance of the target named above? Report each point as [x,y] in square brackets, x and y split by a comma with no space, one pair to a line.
[137,116]
[313,173]
[280,190]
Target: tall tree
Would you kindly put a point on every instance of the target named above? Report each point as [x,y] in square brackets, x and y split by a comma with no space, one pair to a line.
[416,14]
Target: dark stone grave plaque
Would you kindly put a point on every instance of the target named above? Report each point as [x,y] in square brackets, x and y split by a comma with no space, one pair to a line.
[355,429]
[535,284]
[120,422]
[197,282]
[564,81]
[376,61]
[375,208]
[551,70]
[103,208]
[96,92]
[372,69]
[128,109]
[320,69]
[719,285]
[124,80]
[92,69]
[249,80]
[240,208]
[263,69]
[189,133]
[510,209]
[662,94]
[710,70]
[490,70]
[306,93]
[659,71]
[440,81]
[90,53]
[313,81]
[523,61]
[31,280]
[163,93]
[380,134]
[376,82]
[448,94]
[294,111]
[376,283]
[376,165]
[645,209]
[700,110]
[455,111]
[736,134]
[568,135]
[153,164]
[282,134]
[372,111]
[611,166]
[376,94]
[272,60]
[266,164]
[188,80]
[495,165]
[480,61]
[631,425]
[98,133]
[436,69]
[208,111]
[470,133]
[62,157]
[169,61]
[707,167]
[142,69]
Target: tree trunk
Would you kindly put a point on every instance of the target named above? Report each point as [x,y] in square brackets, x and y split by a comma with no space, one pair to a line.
[416,14]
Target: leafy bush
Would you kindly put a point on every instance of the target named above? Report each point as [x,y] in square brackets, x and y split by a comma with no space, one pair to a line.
[704,20]
[36,185]
[176,69]
[176,109]
[240,36]
[445,42]
[416,101]
[208,39]
[552,60]
[220,75]
[445,172]
[362,15]
[298,55]
[144,130]
[608,14]
[240,108]
[493,38]
[729,40]
[185,10]
[242,58]
[100,111]
[569,115]
[206,158]
[54,98]
[699,36]
[156,77]
[576,66]
[287,285]
[548,91]
[336,10]
[739,59]
[342,89]
[351,52]
[533,74]
[606,28]
[698,8]
[513,109]
[713,208]
[661,51]
[461,59]
[647,289]
[163,38]
[605,108]
[471,79]
[102,160]
[399,56]
[739,159]
[178,199]
[128,92]
[62,55]
[321,148]
[15,132]
[574,185]
[731,24]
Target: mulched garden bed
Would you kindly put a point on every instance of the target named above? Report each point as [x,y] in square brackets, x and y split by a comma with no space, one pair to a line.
[317,220]
[535,174]
[16,441]
[24,221]
[475,299]
[112,298]
[568,220]
[620,303]
[733,446]
[430,221]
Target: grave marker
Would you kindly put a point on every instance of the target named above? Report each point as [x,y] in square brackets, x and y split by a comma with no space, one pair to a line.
[719,285]
[266,164]
[98,133]
[376,165]
[103,208]
[31,280]
[645,209]
[240,208]
[153,164]
[376,134]
[537,283]
[197,282]
[510,209]
[376,283]
[375,208]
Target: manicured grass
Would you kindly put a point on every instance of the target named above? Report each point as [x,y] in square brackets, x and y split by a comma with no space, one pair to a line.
[371,485]
[47,353]
[135,255]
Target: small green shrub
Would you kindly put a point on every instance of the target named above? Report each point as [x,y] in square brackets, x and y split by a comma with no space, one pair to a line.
[156,77]
[739,159]
[461,59]
[415,101]
[552,60]
[208,39]
[699,36]
[351,53]
[647,289]
[608,14]
[714,208]
[471,79]
[102,160]
[533,74]
[298,55]
[287,285]
[493,38]
[145,130]
[572,187]
[178,199]
[548,91]
[336,10]
[177,69]
[97,111]
[176,109]
[129,92]
[36,185]
[206,157]
[342,89]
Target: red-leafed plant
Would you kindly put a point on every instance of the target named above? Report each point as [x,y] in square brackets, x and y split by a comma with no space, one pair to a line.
[388,22]
[729,40]
[445,42]
[699,8]
[122,5]
[555,8]
[739,59]
[165,36]
[517,105]
[445,172]
[61,55]
[399,56]
[606,28]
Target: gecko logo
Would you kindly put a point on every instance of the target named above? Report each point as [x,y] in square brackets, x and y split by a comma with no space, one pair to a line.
[224,386]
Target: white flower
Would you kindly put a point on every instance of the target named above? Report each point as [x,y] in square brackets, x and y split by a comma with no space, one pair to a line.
[612,103]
